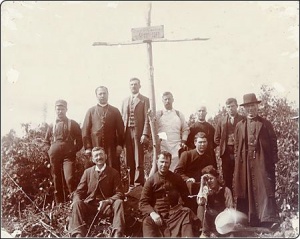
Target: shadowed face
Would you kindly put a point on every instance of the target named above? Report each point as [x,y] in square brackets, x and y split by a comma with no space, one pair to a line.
[163,164]
[201,113]
[201,144]
[102,95]
[231,109]
[99,157]
[168,101]
[60,111]
[134,86]
[251,110]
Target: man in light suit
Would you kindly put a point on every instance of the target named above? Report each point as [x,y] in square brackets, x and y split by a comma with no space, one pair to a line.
[224,137]
[134,113]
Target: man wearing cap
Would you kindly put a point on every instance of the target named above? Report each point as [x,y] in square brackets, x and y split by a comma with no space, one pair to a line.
[103,127]
[137,129]
[66,140]
[224,137]
[255,150]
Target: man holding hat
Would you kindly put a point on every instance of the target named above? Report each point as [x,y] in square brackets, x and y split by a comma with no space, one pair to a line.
[255,151]
[66,140]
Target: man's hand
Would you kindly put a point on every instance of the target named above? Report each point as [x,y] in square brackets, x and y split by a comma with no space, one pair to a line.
[103,206]
[144,139]
[156,218]
[192,180]
[88,152]
[183,144]
[118,150]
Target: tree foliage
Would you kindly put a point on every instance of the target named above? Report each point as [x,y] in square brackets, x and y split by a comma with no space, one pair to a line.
[27,188]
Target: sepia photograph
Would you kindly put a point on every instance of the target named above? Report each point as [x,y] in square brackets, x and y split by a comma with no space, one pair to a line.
[149,119]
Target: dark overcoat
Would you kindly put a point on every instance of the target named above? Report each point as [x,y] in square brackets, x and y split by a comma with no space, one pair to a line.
[255,177]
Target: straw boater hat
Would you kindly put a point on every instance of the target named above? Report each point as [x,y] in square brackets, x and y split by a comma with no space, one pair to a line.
[230,220]
[250,99]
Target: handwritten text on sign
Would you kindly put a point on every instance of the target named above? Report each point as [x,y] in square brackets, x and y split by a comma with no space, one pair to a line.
[147,33]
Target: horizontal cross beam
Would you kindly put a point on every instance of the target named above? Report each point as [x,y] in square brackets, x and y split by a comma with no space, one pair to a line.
[145,41]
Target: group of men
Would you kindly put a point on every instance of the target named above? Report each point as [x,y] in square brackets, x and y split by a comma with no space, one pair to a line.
[172,199]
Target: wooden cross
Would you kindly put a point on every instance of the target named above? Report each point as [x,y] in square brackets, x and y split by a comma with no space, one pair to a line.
[150,37]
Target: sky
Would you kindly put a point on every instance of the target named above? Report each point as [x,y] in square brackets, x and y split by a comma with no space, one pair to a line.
[47,53]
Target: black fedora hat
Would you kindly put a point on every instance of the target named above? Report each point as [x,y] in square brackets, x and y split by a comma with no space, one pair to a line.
[250,99]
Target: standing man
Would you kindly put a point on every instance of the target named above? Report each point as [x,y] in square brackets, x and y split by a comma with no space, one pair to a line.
[224,137]
[191,164]
[99,192]
[103,127]
[255,150]
[201,125]
[164,216]
[137,129]
[173,123]
[66,140]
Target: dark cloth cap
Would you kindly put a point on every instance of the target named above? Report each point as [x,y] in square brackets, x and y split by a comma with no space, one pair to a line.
[250,99]
[61,103]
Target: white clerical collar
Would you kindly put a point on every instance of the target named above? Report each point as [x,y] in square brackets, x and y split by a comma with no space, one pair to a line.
[102,105]
[100,170]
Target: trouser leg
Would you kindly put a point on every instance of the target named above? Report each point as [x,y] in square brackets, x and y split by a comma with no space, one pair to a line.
[150,229]
[139,160]
[69,171]
[82,215]
[119,219]
[130,155]
[56,162]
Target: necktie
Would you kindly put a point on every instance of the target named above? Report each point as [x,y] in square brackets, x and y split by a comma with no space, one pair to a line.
[232,120]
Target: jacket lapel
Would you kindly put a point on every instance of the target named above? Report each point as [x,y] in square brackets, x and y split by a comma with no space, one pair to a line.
[137,100]
[258,126]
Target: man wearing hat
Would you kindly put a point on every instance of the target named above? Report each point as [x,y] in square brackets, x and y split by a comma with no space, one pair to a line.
[255,151]
[66,140]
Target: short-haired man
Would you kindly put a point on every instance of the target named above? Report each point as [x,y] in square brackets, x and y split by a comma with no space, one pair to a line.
[255,150]
[173,123]
[191,164]
[137,129]
[98,194]
[201,125]
[164,216]
[224,137]
[65,139]
[103,127]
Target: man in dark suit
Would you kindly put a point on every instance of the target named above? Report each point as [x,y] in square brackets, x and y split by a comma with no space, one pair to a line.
[103,127]
[224,137]
[164,216]
[255,150]
[137,129]
[191,164]
[201,125]
[99,193]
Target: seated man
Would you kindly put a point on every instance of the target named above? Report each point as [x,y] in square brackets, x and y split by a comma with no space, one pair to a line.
[192,162]
[98,192]
[159,203]
[212,199]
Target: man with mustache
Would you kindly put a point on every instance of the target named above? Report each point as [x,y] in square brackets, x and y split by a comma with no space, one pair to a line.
[98,193]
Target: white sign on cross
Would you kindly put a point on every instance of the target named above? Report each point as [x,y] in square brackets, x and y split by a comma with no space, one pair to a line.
[148,35]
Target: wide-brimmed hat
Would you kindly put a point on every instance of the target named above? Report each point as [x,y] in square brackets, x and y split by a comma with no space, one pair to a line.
[250,99]
[230,220]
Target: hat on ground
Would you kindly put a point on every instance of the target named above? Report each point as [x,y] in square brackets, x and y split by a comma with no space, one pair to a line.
[229,220]
[61,103]
[250,99]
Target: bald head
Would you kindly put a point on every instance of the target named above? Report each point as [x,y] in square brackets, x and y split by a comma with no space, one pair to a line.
[201,113]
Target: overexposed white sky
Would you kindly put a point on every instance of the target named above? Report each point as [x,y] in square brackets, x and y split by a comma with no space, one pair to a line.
[47,54]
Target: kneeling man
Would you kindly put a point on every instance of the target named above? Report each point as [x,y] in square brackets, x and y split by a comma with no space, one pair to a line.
[99,192]
[164,216]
